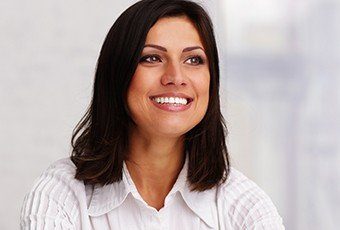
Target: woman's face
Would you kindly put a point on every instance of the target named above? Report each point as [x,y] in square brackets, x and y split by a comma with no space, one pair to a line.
[169,92]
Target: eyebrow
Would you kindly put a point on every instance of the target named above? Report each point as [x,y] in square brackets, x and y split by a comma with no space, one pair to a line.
[187,49]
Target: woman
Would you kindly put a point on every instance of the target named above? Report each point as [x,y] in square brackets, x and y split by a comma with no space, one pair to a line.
[150,152]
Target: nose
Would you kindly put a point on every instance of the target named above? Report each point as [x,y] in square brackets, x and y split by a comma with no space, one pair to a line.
[173,75]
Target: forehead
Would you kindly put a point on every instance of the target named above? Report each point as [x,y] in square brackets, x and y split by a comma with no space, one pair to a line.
[174,31]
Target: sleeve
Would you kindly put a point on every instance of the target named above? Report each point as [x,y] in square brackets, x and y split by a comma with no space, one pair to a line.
[247,207]
[50,204]
[263,216]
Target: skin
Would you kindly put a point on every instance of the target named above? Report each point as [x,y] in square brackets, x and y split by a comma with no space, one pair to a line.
[156,155]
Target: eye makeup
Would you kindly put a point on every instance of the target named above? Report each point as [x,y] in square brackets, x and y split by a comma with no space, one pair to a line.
[154,58]
[150,58]
[198,60]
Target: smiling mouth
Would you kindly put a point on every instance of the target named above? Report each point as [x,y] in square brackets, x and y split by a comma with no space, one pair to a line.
[177,101]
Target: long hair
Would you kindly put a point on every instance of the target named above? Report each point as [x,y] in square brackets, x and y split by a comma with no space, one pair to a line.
[100,139]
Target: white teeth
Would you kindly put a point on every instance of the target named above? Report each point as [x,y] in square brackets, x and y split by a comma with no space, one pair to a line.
[171,100]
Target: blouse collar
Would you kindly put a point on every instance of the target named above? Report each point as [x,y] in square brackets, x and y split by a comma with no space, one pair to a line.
[108,197]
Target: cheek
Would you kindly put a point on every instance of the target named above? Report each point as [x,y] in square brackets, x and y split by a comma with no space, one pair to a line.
[202,87]
[132,94]
[142,81]
[137,95]
[205,98]
[206,86]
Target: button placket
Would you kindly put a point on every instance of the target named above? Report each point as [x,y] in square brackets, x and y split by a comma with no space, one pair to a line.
[155,220]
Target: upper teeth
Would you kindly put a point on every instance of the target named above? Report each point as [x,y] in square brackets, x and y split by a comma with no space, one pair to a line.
[171,100]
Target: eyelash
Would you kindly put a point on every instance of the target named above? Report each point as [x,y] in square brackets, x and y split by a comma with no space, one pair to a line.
[144,59]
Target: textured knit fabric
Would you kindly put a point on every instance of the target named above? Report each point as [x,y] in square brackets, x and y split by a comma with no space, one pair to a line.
[58,201]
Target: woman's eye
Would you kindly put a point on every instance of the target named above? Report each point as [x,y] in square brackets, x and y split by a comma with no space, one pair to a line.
[196,60]
[150,59]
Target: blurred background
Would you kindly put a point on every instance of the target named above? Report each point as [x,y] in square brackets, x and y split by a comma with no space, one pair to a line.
[280,94]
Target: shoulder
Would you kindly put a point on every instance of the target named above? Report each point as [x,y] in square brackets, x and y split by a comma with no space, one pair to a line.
[62,169]
[54,196]
[59,175]
[246,205]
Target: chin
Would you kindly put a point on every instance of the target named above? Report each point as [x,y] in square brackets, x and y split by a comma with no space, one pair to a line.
[173,130]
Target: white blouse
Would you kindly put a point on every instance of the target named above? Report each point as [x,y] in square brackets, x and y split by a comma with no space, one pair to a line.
[59,201]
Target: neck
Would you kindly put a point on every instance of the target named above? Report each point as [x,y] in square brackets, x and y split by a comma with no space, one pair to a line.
[154,163]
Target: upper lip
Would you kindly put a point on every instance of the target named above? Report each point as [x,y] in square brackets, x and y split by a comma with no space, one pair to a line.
[172,94]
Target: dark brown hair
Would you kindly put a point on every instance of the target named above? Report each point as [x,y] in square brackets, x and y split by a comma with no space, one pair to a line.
[100,139]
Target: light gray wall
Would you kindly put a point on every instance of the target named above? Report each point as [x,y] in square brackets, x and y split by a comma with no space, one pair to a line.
[48,56]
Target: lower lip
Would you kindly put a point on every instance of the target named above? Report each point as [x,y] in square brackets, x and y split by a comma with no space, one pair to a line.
[170,107]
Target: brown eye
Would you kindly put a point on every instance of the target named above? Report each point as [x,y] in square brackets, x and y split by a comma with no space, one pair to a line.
[150,59]
[196,60]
